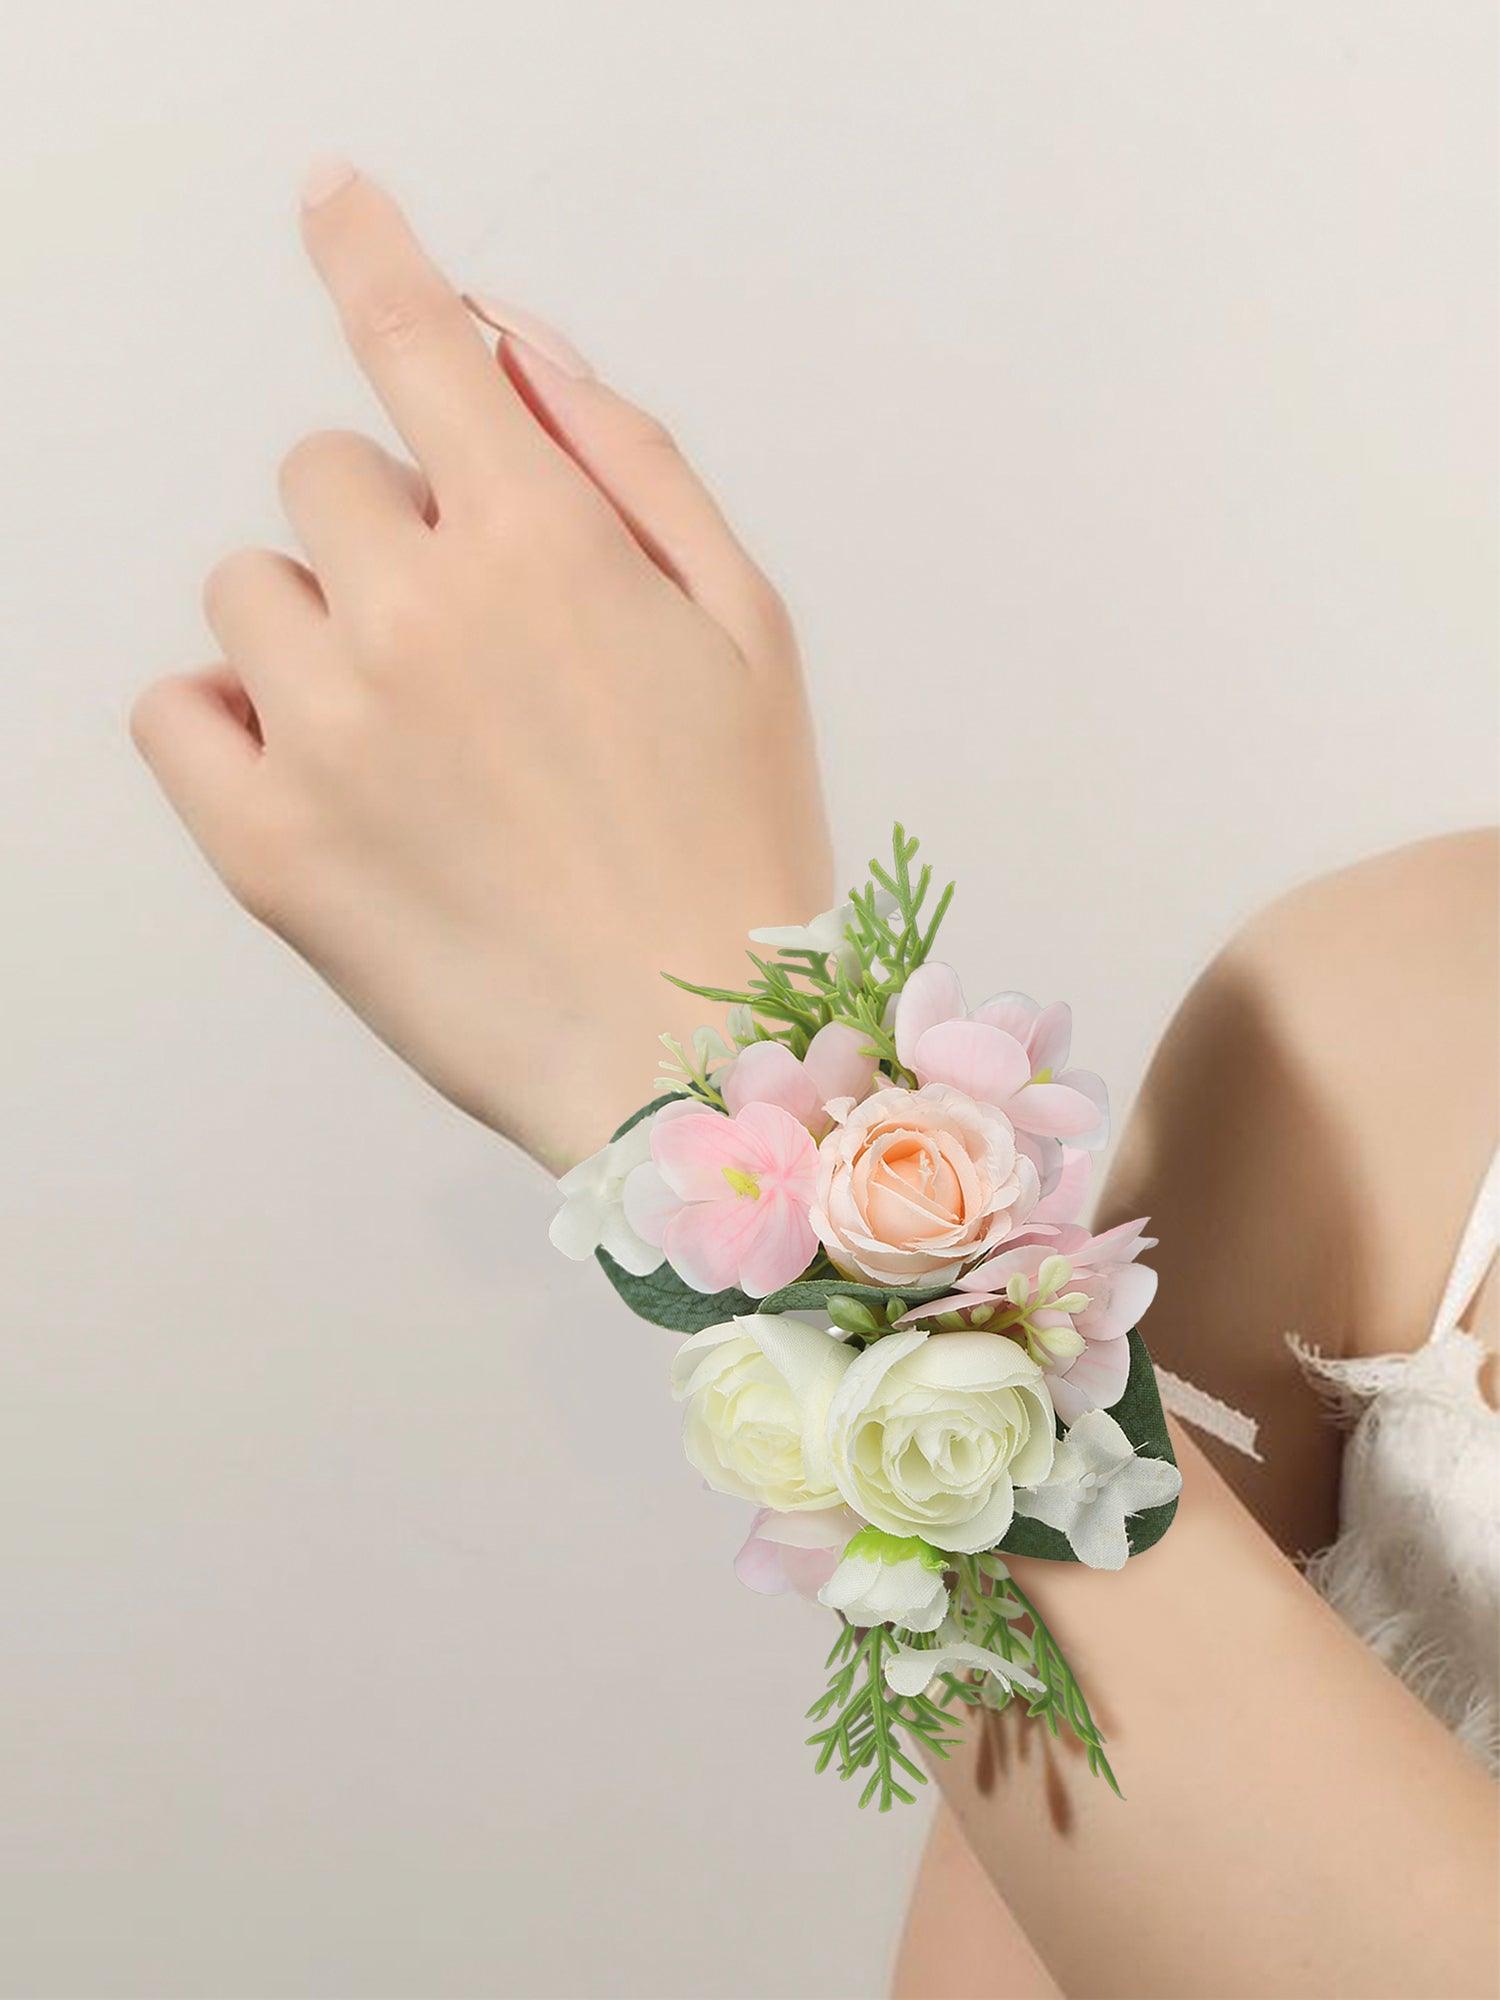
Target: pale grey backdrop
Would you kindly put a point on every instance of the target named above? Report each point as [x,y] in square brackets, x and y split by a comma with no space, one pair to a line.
[1111,388]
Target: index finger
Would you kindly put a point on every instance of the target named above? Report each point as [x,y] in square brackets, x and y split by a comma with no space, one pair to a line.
[414,338]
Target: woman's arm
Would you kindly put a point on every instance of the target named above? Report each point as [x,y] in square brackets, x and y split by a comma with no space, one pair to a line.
[961,1942]
[1294,1821]
[1307,1164]
[1308,1141]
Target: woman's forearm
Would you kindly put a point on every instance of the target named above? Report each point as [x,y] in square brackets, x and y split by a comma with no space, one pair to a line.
[959,1937]
[1294,1821]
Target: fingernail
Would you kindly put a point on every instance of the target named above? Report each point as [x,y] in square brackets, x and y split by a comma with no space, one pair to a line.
[533,332]
[323,180]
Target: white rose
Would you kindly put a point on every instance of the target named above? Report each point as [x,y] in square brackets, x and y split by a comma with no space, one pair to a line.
[757,1391]
[930,1434]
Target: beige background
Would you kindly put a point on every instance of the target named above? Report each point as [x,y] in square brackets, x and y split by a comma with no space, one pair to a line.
[1111,388]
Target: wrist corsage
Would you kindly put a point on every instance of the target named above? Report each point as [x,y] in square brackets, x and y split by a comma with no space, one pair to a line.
[902,1348]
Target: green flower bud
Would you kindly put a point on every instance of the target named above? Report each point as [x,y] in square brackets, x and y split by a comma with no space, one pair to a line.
[1054,1273]
[851,1315]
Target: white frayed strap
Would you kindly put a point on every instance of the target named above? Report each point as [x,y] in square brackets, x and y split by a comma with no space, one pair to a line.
[1475,1250]
[1207,1414]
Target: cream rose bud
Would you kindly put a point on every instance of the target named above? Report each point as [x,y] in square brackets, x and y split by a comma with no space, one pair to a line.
[889,1580]
[757,1391]
[915,1184]
[929,1434]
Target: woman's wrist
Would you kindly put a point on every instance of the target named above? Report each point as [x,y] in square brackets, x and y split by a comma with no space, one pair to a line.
[602,1079]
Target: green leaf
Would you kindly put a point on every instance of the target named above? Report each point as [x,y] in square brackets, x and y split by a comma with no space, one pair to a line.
[1139,1414]
[813,1294]
[647,1111]
[663,1298]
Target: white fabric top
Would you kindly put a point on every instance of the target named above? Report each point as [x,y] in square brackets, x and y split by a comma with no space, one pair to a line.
[1415,1568]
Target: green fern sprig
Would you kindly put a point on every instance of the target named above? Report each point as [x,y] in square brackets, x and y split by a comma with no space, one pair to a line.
[867,1720]
[1062,1699]
[989,1606]
[802,990]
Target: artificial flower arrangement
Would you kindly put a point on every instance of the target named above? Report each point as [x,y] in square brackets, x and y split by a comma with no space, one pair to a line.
[902,1347]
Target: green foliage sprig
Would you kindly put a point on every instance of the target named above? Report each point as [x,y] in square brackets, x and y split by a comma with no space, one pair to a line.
[1062,1698]
[801,990]
[864,1720]
[868,1719]
[989,1607]
[688,1068]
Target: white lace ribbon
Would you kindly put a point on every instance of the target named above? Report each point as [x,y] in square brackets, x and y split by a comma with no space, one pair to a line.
[1206,1413]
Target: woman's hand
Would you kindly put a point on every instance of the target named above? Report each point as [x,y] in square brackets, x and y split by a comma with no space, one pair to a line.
[527,728]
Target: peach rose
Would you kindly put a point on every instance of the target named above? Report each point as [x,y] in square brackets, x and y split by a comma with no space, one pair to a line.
[915,1184]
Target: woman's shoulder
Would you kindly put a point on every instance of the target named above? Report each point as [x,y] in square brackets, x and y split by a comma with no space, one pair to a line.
[1400,917]
[1308,1141]
[1382,981]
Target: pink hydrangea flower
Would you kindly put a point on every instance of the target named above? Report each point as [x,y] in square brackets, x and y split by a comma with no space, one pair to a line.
[835,1066]
[1063,1201]
[727,1198]
[1010,1053]
[1077,1315]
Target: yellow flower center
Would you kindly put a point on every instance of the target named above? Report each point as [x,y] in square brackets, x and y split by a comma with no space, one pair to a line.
[743,1184]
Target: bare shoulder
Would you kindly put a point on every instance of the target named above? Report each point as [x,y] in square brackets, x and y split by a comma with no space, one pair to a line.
[1418,920]
[1309,1138]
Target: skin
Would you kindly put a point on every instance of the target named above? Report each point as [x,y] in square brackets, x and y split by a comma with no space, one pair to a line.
[527,725]
[1296,1824]
[1309,1166]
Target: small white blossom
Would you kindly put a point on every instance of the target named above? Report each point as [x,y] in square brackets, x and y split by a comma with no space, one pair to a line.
[592,1216]
[911,1670]
[825,933]
[1098,1480]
